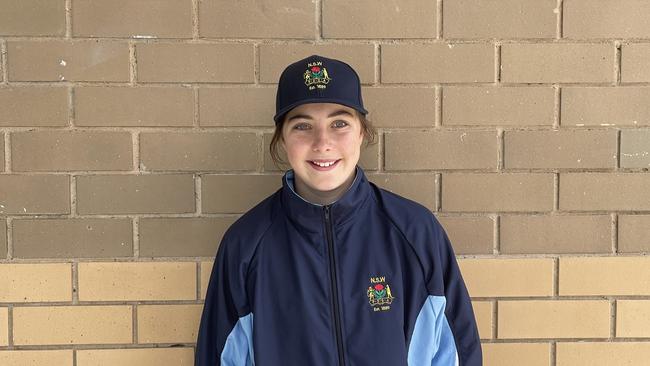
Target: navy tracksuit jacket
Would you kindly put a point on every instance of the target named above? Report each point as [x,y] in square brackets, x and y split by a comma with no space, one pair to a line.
[370,279]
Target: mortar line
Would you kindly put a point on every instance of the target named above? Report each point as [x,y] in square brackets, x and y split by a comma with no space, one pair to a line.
[136,237]
[497,63]
[319,21]
[559,29]
[196,116]
[10,238]
[553,353]
[381,144]
[74,357]
[75,282]
[439,19]
[495,317]
[134,316]
[501,149]
[612,324]
[496,235]
[198,184]
[556,192]
[133,74]
[195,19]
[73,195]
[71,109]
[7,151]
[615,221]
[438,191]
[377,60]
[198,280]
[10,326]
[619,134]
[557,105]
[556,277]
[617,66]
[437,100]
[4,62]
[68,19]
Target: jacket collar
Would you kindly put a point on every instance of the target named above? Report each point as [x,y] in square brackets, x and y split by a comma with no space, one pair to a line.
[310,216]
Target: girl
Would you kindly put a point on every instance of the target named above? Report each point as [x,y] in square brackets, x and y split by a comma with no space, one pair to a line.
[332,270]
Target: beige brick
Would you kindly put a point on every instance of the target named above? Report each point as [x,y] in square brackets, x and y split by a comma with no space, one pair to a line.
[178,62]
[32,17]
[59,60]
[168,323]
[497,192]
[634,61]
[555,234]
[137,281]
[45,325]
[168,237]
[560,149]
[604,191]
[557,63]
[508,277]
[602,353]
[369,159]
[48,106]
[417,187]
[499,19]
[37,358]
[371,19]
[138,19]
[483,315]
[36,194]
[136,357]
[198,151]
[65,238]
[606,106]
[125,194]
[633,233]
[596,19]
[515,354]
[554,319]
[236,193]
[274,58]
[414,150]
[502,106]
[445,63]
[632,318]
[236,106]
[611,276]
[635,148]
[469,234]
[206,271]
[4,327]
[36,282]
[71,150]
[401,107]
[257,19]
[127,106]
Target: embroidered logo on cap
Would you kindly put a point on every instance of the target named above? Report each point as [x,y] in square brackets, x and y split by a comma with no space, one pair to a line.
[379,295]
[316,76]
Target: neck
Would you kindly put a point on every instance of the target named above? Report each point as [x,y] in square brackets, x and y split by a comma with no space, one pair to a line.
[323,197]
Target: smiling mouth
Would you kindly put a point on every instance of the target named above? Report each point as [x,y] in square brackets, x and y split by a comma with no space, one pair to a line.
[324,163]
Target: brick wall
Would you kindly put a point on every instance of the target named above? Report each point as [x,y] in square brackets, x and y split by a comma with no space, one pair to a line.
[132,133]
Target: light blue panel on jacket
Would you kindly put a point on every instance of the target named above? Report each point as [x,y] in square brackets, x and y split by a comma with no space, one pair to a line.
[238,350]
[432,343]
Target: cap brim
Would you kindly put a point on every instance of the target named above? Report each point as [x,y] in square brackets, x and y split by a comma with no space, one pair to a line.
[286,109]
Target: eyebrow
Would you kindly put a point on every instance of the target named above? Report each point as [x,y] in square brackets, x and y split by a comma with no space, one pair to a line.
[333,114]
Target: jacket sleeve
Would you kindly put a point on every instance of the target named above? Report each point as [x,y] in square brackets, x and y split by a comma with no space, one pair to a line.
[225,332]
[458,328]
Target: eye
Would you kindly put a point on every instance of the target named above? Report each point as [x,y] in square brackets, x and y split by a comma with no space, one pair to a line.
[340,124]
[301,126]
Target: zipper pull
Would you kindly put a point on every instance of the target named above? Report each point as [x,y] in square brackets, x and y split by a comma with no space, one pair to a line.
[327,213]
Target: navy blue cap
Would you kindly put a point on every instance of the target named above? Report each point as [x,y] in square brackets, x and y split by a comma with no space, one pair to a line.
[317,79]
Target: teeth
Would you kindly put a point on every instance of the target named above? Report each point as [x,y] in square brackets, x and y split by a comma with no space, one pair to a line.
[324,165]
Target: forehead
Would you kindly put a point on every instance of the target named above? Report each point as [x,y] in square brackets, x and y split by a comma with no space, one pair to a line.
[319,109]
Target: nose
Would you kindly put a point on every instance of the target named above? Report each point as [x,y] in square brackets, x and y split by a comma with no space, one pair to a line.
[322,140]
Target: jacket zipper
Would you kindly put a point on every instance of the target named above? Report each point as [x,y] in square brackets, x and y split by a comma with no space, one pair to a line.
[333,286]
